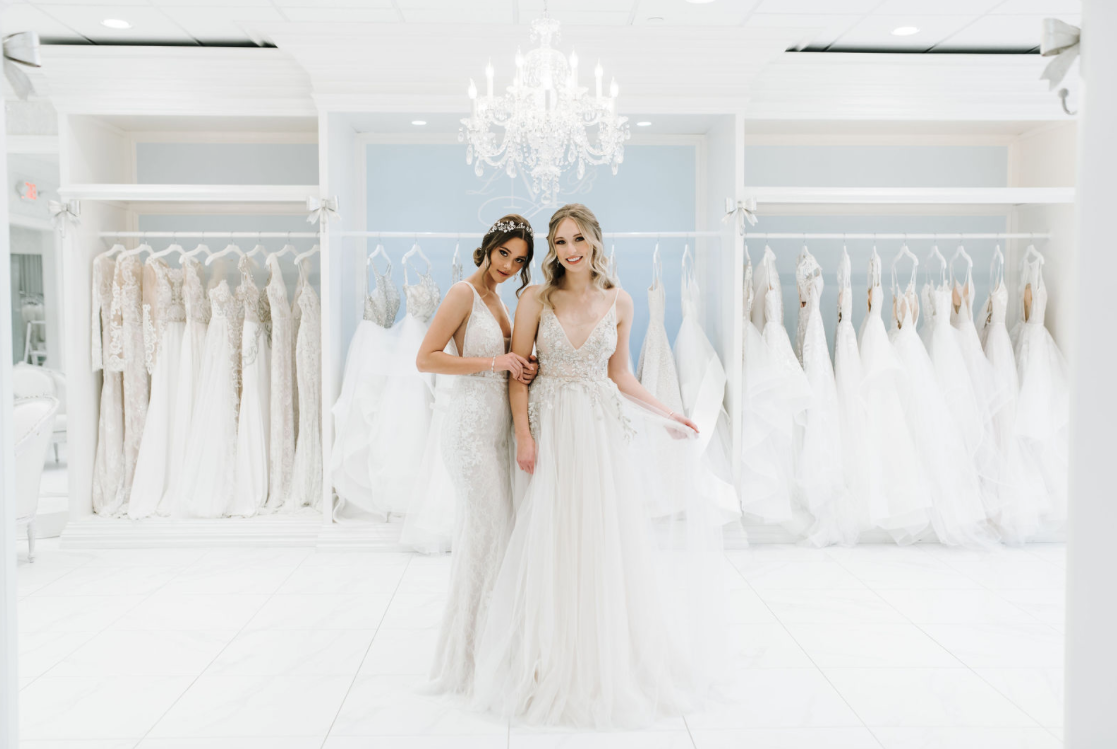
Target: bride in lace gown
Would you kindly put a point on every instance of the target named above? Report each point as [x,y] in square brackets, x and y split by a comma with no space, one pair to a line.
[476,436]
[589,623]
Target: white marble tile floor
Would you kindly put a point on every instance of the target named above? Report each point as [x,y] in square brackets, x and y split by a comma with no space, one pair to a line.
[876,647]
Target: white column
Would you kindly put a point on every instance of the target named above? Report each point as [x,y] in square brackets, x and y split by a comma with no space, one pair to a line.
[1091,631]
[9,680]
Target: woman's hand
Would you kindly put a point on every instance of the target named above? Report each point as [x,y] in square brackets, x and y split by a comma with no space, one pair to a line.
[530,371]
[685,422]
[512,363]
[525,453]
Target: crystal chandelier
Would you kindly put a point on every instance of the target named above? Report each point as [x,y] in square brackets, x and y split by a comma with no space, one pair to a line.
[546,117]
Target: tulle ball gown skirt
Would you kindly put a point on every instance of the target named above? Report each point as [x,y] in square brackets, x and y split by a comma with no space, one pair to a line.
[585,626]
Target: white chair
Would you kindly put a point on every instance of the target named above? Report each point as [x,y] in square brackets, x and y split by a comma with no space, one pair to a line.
[31,382]
[33,422]
[59,435]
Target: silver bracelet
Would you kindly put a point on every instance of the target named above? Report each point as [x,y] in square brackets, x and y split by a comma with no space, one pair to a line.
[492,369]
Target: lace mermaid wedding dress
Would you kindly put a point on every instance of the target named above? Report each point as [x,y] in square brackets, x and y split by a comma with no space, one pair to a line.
[306,470]
[476,447]
[252,423]
[164,316]
[108,462]
[589,623]
[281,389]
[128,296]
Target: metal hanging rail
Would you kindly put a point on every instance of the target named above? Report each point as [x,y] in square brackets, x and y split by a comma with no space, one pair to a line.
[211,234]
[479,235]
[893,235]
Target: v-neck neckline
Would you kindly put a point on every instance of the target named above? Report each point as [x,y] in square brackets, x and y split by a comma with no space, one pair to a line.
[487,309]
[593,330]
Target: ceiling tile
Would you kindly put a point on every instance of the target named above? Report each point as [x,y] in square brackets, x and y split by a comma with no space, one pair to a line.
[209,24]
[822,29]
[504,6]
[315,4]
[875,32]
[148,23]
[1038,7]
[457,15]
[1001,33]
[937,8]
[24,17]
[96,3]
[574,17]
[343,15]
[817,6]
[236,5]
[559,7]
[675,13]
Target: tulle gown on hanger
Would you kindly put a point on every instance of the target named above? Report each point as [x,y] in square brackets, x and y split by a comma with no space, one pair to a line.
[403,415]
[957,514]
[848,379]
[1043,407]
[361,386]
[819,476]
[108,462]
[477,449]
[589,623]
[281,389]
[656,367]
[306,472]
[164,328]
[208,480]
[253,423]
[898,500]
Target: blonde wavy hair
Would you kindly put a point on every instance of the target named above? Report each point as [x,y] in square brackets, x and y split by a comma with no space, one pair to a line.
[591,231]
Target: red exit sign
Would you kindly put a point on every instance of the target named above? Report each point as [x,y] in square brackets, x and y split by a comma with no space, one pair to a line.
[28,190]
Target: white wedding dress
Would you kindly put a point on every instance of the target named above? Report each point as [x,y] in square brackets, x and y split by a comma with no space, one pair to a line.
[476,446]
[208,481]
[281,389]
[589,623]
[898,500]
[128,298]
[255,403]
[361,385]
[108,461]
[164,316]
[852,413]
[819,475]
[306,471]
[655,368]
[957,513]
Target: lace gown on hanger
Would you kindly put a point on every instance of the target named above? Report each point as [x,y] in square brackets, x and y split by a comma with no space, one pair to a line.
[306,474]
[127,289]
[108,462]
[957,513]
[1043,407]
[819,475]
[589,624]
[208,480]
[1023,500]
[164,317]
[361,385]
[656,367]
[848,378]
[476,447]
[281,389]
[898,500]
[403,415]
[197,307]
[255,402]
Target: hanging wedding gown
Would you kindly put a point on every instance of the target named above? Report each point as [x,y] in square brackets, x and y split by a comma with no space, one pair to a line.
[1042,408]
[1023,501]
[957,513]
[476,447]
[127,292]
[656,367]
[852,417]
[793,396]
[762,487]
[252,423]
[164,316]
[197,308]
[208,480]
[306,474]
[589,623]
[281,389]
[403,415]
[361,385]
[108,462]
[819,476]
[898,500]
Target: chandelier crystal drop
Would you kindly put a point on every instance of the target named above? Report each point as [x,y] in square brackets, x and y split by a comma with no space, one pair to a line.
[547,118]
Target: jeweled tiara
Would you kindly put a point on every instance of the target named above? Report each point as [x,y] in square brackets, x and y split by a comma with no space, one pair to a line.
[508,226]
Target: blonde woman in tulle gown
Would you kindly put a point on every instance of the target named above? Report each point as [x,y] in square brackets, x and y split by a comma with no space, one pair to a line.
[590,623]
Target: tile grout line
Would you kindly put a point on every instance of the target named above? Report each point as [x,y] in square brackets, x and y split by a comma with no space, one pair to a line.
[689,733]
[375,632]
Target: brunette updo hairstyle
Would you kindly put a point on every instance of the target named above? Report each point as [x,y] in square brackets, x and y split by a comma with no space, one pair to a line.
[512,226]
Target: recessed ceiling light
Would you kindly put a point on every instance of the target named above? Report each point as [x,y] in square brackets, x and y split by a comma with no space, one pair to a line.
[655,19]
[116,23]
[418,122]
[643,123]
[905,31]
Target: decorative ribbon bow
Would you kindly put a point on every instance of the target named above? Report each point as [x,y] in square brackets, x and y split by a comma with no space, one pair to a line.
[64,213]
[744,210]
[322,210]
[1060,40]
[21,49]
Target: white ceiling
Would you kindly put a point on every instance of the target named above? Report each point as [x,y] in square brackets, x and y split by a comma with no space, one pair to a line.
[946,25]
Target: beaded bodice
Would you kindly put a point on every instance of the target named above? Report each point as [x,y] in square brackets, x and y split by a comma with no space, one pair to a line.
[559,358]
[657,305]
[1033,279]
[964,310]
[169,302]
[748,291]
[938,305]
[845,290]
[382,303]
[876,291]
[808,280]
[998,305]
[423,297]
[276,290]
[194,297]
[905,309]
[483,336]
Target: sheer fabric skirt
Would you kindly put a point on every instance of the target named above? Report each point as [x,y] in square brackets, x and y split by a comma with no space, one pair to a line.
[154,460]
[604,614]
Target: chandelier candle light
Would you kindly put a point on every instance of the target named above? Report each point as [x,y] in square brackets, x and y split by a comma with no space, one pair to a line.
[546,117]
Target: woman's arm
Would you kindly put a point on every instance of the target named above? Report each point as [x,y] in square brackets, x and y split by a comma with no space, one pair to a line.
[452,313]
[524,329]
[619,372]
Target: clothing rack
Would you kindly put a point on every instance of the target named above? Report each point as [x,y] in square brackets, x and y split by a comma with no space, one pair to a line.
[211,234]
[478,235]
[893,235]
